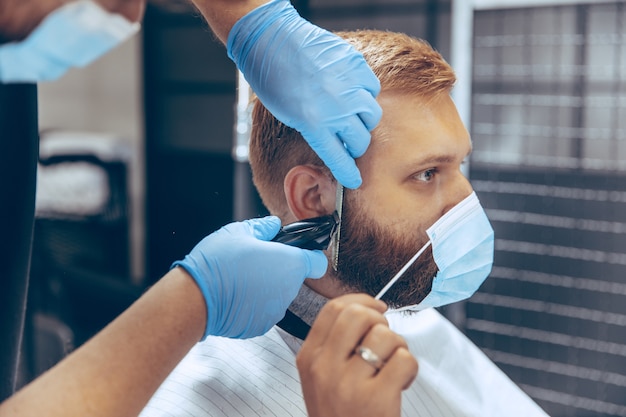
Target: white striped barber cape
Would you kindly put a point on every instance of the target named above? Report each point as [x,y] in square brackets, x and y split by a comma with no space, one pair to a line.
[258,377]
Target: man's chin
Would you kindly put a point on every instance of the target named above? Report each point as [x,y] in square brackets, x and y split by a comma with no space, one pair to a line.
[409,312]
[399,306]
[392,299]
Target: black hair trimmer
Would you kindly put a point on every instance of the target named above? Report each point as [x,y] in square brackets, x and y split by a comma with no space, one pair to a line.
[314,234]
[317,233]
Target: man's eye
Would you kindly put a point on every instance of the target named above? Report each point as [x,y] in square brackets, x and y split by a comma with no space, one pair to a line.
[426,176]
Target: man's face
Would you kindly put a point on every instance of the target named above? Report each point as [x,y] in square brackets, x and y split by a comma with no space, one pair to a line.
[411,177]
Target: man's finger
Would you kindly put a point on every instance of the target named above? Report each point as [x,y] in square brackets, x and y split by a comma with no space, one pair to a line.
[399,371]
[328,315]
[333,153]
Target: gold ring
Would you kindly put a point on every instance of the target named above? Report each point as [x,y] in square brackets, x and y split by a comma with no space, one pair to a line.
[370,357]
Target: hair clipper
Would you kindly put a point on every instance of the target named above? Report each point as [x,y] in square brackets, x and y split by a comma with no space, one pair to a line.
[314,233]
[317,233]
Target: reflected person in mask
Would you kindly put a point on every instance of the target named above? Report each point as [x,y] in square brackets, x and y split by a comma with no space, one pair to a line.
[413,194]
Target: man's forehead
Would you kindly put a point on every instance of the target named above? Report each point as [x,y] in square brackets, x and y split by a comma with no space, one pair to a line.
[428,128]
[442,157]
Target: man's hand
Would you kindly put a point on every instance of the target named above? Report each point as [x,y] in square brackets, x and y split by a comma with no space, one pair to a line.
[337,379]
[312,81]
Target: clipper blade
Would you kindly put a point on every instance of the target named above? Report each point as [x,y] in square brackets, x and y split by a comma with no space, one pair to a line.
[334,244]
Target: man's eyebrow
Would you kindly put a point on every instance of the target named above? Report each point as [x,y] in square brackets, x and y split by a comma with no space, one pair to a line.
[436,159]
[441,159]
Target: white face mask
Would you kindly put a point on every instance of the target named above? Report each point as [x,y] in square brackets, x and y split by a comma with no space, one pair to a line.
[73,35]
[462,246]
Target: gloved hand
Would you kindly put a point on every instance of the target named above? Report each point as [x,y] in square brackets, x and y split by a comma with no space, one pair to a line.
[247,281]
[311,80]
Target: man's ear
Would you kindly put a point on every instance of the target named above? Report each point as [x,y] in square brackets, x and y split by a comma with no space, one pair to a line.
[310,192]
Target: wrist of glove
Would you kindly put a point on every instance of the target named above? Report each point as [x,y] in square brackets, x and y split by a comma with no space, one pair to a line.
[311,80]
[247,281]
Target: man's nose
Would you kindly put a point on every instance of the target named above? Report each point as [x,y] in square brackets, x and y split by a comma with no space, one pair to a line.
[458,189]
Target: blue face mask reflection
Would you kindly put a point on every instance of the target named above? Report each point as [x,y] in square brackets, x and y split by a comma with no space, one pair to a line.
[74,35]
[462,246]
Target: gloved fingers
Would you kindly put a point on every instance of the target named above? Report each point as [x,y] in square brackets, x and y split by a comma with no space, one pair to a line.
[366,77]
[295,262]
[247,281]
[331,150]
[372,112]
[358,73]
[355,136]
[364,105]
[264,228]
[317,261]
[304,263]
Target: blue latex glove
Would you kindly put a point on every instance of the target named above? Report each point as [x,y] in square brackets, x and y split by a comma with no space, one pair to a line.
[311,80]
[248,282]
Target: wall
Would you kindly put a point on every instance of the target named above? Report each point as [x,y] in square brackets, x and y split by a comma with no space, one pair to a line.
[106,97]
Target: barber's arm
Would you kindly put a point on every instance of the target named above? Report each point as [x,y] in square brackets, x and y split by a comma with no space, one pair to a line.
[234,283]
[352,364]
[221,15]
[116,372]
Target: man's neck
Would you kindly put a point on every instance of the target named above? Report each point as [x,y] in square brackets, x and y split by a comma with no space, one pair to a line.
[299,318]
[328,286]
[307,304]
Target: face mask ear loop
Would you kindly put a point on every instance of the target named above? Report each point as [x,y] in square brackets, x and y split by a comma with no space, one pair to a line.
[402,271]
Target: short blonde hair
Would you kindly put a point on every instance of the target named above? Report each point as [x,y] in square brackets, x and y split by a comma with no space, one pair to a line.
[401,63]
